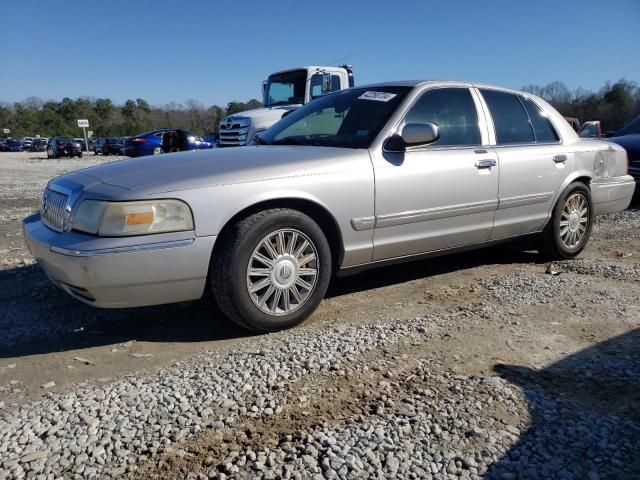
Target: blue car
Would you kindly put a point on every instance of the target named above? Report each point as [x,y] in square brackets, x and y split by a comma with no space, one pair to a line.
[12,145]
[163,141]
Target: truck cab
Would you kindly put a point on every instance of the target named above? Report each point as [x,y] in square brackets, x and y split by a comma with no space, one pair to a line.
[283,92]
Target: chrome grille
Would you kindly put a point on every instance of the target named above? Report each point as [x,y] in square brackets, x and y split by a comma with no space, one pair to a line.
[233,131]
[53,210]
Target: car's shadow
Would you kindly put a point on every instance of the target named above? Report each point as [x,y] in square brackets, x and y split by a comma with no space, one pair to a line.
[585,415]
[36,317]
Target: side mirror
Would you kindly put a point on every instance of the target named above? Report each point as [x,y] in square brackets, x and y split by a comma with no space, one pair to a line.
[413,134]
[326,83]
[288,112]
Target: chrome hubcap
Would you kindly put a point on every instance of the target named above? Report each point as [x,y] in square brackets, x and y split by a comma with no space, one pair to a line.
[282,272]
[574,220]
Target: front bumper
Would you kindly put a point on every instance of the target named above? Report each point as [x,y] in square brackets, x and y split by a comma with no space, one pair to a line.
[122,272]
[612,194]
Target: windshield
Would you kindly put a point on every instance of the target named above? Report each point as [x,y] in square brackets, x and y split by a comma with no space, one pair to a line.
[285,88]
[349,119]
[632,128]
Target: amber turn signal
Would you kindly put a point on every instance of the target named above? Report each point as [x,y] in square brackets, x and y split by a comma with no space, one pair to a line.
[145,218]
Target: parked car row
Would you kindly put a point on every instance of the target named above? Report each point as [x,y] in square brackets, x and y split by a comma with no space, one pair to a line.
[11,145]
[23,145]
[166,140]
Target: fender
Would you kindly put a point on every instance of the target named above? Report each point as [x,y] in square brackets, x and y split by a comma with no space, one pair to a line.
[268,196]
[568,181]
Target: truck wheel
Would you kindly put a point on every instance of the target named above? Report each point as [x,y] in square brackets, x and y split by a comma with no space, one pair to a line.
[271,270]
[569,228]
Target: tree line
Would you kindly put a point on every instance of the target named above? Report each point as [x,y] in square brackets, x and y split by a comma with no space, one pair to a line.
[615,104]
[35,116]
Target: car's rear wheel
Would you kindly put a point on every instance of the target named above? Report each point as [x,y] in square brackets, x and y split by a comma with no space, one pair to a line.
[568,231]
[157,150]
[271,270]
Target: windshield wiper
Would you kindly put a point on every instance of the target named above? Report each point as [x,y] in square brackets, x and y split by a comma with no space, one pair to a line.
[261,141]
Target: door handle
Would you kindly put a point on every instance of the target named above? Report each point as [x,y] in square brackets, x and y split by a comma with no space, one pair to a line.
[487,163]
[560,158]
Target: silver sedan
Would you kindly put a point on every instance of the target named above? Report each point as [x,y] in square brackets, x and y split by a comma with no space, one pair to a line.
[359,178]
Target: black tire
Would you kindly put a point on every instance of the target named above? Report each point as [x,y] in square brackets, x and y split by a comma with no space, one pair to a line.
[229,264]
[551,244]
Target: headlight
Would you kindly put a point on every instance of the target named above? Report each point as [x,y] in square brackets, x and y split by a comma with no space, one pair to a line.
[111,219]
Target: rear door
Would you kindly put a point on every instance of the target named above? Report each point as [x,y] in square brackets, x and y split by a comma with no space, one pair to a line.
[440,195]
[533,162]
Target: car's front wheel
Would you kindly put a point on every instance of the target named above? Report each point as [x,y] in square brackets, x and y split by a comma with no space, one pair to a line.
[568,231]
[157,150]
[271,270]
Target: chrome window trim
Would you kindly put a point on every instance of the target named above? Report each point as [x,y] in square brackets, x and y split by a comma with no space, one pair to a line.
[125,249]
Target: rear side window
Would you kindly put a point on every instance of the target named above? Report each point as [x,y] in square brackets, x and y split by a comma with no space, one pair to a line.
[453,111]
[544,131]
[509,118]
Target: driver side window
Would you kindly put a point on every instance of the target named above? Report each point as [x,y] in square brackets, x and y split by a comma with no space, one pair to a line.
[453,111]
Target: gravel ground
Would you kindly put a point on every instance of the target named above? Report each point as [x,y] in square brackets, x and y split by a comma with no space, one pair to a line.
[490,364]
[22,173]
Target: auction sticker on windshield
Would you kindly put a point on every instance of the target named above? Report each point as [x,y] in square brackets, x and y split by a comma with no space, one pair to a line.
[377,96]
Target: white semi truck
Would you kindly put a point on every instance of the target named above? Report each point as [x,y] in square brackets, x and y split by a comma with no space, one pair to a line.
[283,92]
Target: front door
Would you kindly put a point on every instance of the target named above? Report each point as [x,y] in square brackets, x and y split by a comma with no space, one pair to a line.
[442,195]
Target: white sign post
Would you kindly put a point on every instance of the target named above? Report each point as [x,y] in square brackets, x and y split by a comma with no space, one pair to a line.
[84,123]
[7,131]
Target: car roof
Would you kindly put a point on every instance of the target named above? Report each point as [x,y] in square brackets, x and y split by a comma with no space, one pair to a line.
[420,83]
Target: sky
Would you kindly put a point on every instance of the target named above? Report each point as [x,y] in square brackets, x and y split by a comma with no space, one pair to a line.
[215,52]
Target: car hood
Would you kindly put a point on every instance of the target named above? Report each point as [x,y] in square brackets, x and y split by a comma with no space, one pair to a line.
[197,169]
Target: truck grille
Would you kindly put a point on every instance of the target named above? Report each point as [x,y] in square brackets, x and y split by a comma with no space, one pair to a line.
[233,131]
[53,210]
